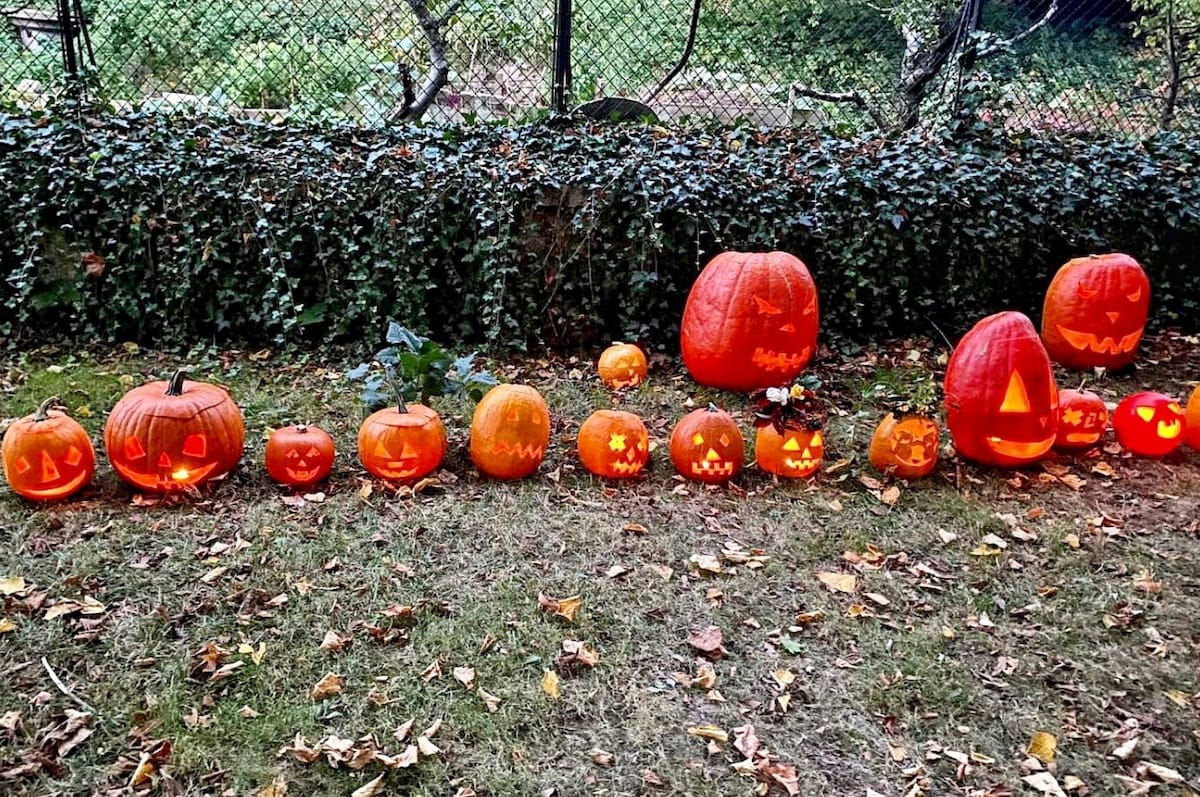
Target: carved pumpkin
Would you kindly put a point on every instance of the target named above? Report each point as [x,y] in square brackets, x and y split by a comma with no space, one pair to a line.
[509,432]
[1149,424]
[707,446]
[1082,419]
[1001,400]
[1191,430]
[791,453]
[750,321]
[402,443]
[47,455]
[906,447]
[1095,312]
[622,365]
[298,456]
[614,444]
[169,435]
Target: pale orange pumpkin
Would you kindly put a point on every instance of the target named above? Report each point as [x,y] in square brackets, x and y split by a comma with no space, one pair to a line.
[614,444]
[622,365]
[906,447]
[509,432]
[47,455]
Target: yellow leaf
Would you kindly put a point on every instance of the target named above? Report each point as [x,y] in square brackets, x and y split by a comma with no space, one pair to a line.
[550,684]
[328,686]
[1043,746]
[898,753]
[1179,698]
[276,788]
[7,625]
[566,608]
[710,732]
[838,582]
[11,585]
[784,678]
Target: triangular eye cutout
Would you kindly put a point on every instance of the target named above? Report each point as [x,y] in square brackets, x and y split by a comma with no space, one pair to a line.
[133,448]
[1016,399]
[1146,413]
[195,445]
[817,439]
[791,445]
[49,469]
[74,456]
[381,450]
[164,461]
[408,452]
[766,308]
[23,466]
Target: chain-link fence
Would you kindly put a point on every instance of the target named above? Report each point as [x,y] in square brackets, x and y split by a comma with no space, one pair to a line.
[1112,65]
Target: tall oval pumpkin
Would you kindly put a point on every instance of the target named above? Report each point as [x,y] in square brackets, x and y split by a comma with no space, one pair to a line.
[509,432]
[1095,312]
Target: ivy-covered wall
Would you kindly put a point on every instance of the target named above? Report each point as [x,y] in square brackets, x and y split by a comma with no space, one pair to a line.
[171,230]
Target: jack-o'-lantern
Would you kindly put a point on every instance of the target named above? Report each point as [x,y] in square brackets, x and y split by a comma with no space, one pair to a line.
[1095,312]
[402,443]
[750,321]
[707,446]
[906,447]
[298,456]
[172,435]
[614,444]
[47,455]
[622,365]
[1082,419]
[1001,400]
[1191,431]
[1150,424]
[509,432]
[791,453]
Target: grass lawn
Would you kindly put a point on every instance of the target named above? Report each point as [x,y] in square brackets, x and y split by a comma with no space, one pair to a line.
[867,647]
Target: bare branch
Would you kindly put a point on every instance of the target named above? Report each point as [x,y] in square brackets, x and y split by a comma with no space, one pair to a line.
[439,71]
[851,97]
[1007,44]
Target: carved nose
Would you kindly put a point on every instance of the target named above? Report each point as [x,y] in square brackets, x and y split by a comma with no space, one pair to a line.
[712,455]
[1113,317]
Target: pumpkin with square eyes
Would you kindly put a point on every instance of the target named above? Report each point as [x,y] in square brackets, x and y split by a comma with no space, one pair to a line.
[298,456]
[622,365]
[707,446]
[172,435]
[47,455]
[1191,424]
[509,432]
[750,321]
[402,443]
[906,447]
[614,444]
[1150,424]
[1001,400]
[1082,419]
[1095,312]
[791,453]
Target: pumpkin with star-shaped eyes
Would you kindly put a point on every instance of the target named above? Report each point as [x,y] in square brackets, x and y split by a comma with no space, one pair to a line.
[1150,424]
[750,321]
[1082,419]
[1095,312]
[47,455]
[509,432]
[622,365]
[707,446]
[402,443]
[906,447]
[614,444]
[1191,431]
[299,456]
[791,453]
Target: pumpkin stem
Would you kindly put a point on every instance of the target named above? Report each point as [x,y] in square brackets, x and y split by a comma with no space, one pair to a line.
[175,384]
[43,410]
[400,405]
[301,428]
[712,407]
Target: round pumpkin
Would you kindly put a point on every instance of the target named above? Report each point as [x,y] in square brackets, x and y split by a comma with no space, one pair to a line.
[298,456]
[1001,400]
[614,444]
[47,455]
[1150,424]
[1095,312]
[707,446]
[509,432]
[622,365]
[402,443]
[170,435]
[750,321]
[906,447]
[1082,419]
[791,453]
[1191,431]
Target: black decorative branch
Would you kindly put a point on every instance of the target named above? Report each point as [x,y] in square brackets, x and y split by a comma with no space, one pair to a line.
[415,106]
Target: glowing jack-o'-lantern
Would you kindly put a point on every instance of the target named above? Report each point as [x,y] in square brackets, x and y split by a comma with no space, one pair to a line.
[750,321]
[906,447]
[47,455]
[1082,419]
[791,453]
[509,432]
[1001,400]
[171,435]
[707,446]
[402,443]
[622,365]
[1150,424]
[299,455]
[1191,430]
[614,444]
[1095,312]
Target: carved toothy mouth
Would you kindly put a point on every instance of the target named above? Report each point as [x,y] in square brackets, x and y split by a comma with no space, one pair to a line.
[712,468]
[633,380]
[56,491]
[801,464]
[625,468]
[523,451]
[302,475]
[1083,437]
[1020,450]
[1087,340]
[779,361]
[1169,430]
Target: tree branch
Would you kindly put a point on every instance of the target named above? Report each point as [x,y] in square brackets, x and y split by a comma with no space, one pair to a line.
[851,97]
[1020,37]
[439,64]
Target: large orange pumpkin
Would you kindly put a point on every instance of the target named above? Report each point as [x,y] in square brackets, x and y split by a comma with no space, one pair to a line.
[169,435]
[298,456]
[1150,424]
[509,432]
[47,455]
[1001,400]
[707,446]
[622,365]
[402,443]
[1082,419]
[750,321]
[1095,312]
[1191,432]
[614,444]
[906,447]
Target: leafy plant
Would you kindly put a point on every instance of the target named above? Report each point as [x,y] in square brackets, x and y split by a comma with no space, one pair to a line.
[794,406]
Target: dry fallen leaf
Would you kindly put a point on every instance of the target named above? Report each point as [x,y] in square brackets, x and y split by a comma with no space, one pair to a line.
[491,701]
[465,676]
[550,684]
[335,642]
[566,608]
[1045,783]
[276,788]
[745,739]
[328,686]
[369,789]
[602,758]
[1042,746]
[7,625]
[710,732]
[838,582]
[708,641]
[11,585]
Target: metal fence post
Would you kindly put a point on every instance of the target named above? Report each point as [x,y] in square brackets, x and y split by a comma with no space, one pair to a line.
[560,91]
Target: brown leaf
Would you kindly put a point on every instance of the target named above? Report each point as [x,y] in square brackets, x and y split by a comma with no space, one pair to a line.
[709,642]
[328,686]
[745,739]
[491,701]
[465,676]
[432,672]
[426,747]
[401,733]
[335,642]
[300,750]
[11,585]
[93,264]
[711,732]
[370,788]
[149,764]
[566,608]
[602,758]
[276,788]
[838,582]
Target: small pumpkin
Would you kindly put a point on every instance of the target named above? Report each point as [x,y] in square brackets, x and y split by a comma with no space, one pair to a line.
[298,456]
[791,453]
[171,435]
[622,365]
[1191,431]
[509,432]
[614,444]
[1095,312]
[47,455]
[707,446]
[906,447]
[402,443]
[1150,424]
[1082,419]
